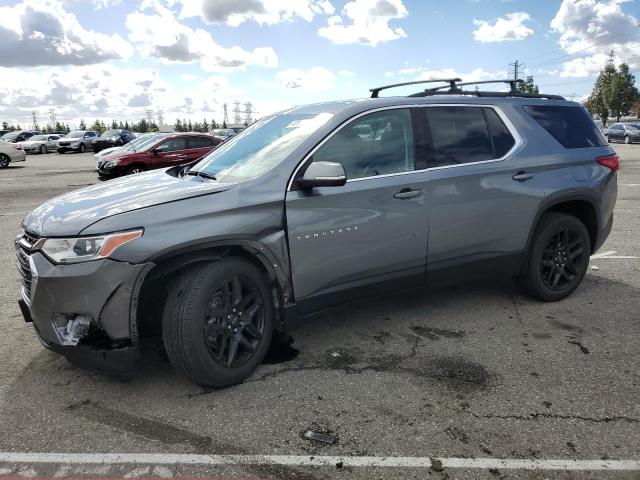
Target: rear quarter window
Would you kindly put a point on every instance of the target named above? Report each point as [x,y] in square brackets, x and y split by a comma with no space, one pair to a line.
[572,127]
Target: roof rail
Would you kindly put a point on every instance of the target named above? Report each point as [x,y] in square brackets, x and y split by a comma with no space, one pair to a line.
[452,85]
[481,93]
[513,84]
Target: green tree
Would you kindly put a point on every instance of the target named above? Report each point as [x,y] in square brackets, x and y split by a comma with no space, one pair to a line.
[83,126]
[127,126]
[205,126]
[623,92]
[121,125]
[96,126]
[197,127]
[189,126]
[214,125]
[528,86]
[114,125]
[178,125]
[5,126]
[224,124]
[597,103]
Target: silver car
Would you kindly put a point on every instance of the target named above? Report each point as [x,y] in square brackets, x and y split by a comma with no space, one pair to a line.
[11,152]
[41,144]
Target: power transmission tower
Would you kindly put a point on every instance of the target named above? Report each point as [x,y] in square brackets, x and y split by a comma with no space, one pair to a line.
[52,118]
[34,120]
[236,112]
[248,110]
[160,118]
[149,113]
[516,68]
[226,115]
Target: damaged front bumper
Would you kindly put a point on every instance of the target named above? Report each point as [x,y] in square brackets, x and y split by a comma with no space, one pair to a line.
[84,311]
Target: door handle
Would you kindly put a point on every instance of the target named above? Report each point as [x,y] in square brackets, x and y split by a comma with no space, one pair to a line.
[522,176]
[407,193]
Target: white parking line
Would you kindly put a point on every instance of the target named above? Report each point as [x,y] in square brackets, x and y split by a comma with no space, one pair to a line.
[630,184]
[306,460]
[609,254]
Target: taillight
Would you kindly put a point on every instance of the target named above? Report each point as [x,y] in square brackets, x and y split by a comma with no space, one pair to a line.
[609,161]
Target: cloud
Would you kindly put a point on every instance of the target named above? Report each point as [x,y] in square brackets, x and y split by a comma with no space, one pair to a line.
[38,33]
[315,79]
[346,73]
[160,35]
[592,29]
[508,28]
[365,22]
[264,12]
[187,77]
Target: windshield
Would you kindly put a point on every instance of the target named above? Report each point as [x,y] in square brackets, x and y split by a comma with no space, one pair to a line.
[142,144]
[220,132]
[111,133]
[75,134]
[11,135]
[36,138]
[260,147]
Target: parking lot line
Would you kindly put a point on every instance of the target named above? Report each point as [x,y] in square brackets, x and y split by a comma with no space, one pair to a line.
[610,254]
[32,458]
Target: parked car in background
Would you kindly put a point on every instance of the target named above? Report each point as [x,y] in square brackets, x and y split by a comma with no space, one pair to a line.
[19,135]
[623,132]
[136,141]
[112,138]
[161,150]
[40,144]
[2,132]
[78,141]
[224,133]
[11,152]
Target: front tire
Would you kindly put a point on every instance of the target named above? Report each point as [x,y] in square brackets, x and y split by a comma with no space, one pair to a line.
[218,322]
[4,160]
[558,258]
[135,169]
[43,149]
[83,148]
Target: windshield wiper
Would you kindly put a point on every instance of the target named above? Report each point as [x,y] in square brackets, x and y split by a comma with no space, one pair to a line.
[199,173]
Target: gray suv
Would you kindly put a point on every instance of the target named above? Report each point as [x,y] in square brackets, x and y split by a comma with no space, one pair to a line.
[313,207]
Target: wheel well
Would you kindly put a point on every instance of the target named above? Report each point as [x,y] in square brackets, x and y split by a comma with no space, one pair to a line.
[583,211]
[154,289]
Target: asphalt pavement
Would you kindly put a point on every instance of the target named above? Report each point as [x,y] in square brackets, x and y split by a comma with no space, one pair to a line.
[473,381]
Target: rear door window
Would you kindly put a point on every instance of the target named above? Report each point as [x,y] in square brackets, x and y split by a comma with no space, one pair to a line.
[571,126]
[459,135]
[501,137]
[172,145]
[201,142]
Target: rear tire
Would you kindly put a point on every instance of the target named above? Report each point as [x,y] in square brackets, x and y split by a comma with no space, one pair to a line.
[4,160]
[558,258]
[83,148]
[43,149]
[218,322]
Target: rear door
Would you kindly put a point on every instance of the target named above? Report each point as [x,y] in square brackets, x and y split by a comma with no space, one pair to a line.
[52,142]
[171,152]
[370,235]
[481,199]
[199,146]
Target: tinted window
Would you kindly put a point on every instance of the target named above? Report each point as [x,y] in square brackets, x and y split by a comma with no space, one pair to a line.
[571,126]
[172,145]
[376,144]
[458,135]
[201,142]
[501,137]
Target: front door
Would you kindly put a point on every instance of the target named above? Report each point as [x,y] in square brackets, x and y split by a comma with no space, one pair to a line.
[171,152]
[369,235]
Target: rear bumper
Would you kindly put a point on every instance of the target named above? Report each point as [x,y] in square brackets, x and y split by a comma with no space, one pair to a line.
[608,197]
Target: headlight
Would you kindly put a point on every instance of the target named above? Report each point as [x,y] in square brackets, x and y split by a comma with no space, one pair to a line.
[84,249]
[110,164]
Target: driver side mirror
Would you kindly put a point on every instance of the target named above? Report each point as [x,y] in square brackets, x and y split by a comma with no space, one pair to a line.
[323,174]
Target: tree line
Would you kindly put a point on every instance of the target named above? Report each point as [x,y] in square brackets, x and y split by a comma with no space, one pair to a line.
[142,126]
[614,94]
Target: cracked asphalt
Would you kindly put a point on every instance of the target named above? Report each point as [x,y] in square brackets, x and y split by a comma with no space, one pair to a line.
[475,370]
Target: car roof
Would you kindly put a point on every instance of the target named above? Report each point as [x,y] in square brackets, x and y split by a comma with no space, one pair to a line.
[364,104]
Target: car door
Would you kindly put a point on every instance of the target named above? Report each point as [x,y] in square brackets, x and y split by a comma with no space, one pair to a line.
[370,235]
[171,152]
[617,132]
[481,201]
[199,146]
[52,142]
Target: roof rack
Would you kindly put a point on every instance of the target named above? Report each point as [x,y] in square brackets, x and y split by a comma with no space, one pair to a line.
[454,89]
[452,85]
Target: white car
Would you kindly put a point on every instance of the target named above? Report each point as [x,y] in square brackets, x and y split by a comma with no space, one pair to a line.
[40,144]
[11,152]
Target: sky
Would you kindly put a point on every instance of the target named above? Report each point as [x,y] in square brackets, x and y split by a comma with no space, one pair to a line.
[126,59]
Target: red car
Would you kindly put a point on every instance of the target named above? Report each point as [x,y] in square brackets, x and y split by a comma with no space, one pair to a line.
[158,151]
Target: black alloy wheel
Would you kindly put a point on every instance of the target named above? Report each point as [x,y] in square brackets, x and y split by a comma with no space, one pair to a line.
[234,321]
[562,259]
[558,257]
[4,160]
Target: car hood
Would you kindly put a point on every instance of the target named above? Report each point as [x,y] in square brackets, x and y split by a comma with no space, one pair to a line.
[72,212]
[109,151]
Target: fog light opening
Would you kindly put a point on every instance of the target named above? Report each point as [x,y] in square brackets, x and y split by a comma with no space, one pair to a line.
[71,328]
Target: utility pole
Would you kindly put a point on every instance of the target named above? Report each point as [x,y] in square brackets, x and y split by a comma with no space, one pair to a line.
[226,115]
[248,109]
[516,67]
[34,120]
[236,112]
[52,118]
